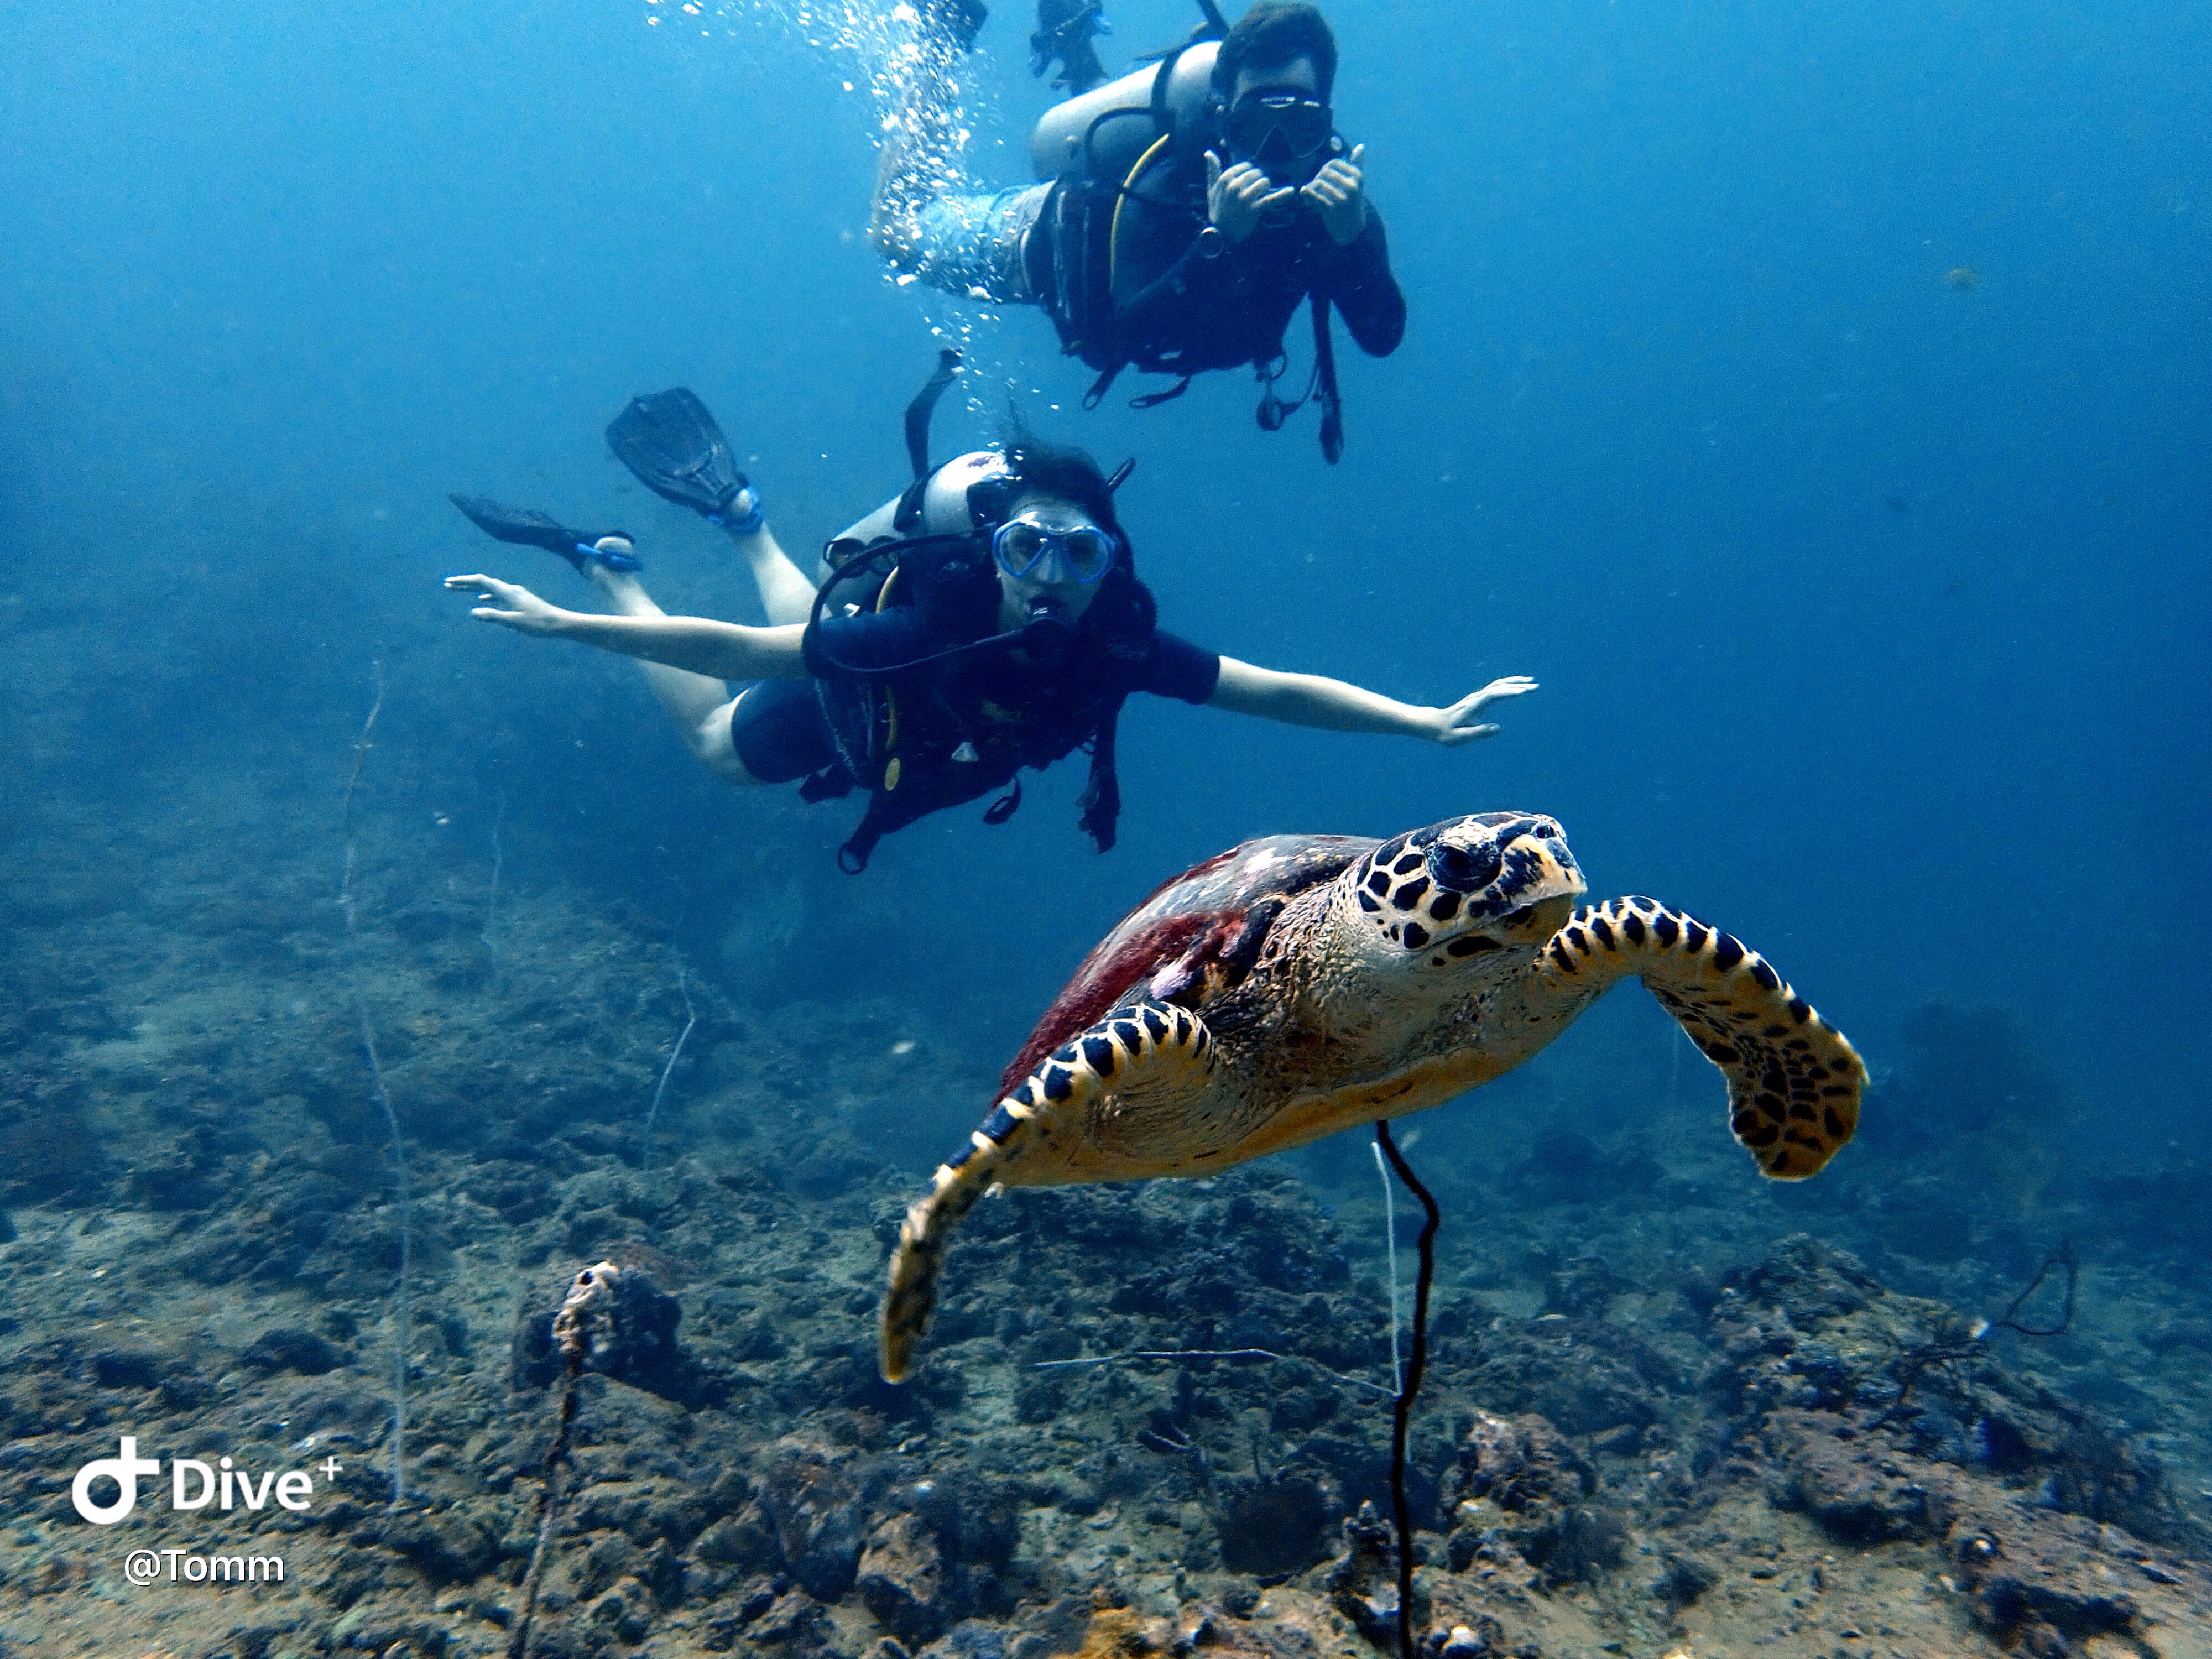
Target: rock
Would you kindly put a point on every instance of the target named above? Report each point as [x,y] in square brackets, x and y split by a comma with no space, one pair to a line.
[794,1619]
[450,1548]
[1523,1465]
[1861,1488]
[901,1579]
[1810,1281]
[976,1518]
[282,1348]
[625,1611]
[1582,1374]
[521,1193]
[1521,1476]
[1059,1626]
[744,1540]
[187,1177]
[1360,1470]
[971,1638]
[1682,1579]
[1274,1527]
[2023,1571]
[1483,1639]
[126,1368]
[809,1502]
[1296,1410]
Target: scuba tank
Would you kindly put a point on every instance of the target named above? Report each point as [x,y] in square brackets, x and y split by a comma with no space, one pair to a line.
[940,509]
[1095,148]
[1104,134]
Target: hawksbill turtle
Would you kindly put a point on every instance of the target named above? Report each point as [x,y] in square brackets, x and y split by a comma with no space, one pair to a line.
[1297,985]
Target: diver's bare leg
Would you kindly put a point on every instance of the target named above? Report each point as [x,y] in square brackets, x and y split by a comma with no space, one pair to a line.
[700,704]
[785,594]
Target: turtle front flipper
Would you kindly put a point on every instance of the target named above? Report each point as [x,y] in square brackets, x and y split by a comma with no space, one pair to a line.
[1794,1081]
[1143,1058]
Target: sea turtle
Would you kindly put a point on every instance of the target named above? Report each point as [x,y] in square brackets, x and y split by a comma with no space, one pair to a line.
[1297,985]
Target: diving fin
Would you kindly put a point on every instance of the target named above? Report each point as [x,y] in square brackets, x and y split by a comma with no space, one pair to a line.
[1065,31]
[671,443]
[525,527]
[955,22]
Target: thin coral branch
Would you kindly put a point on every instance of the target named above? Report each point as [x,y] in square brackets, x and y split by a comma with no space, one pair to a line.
[402,1332]
[691,1019]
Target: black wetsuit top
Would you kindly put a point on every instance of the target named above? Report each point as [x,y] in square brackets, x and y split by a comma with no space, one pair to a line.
[1185,312]
[1012,712]
[922,739]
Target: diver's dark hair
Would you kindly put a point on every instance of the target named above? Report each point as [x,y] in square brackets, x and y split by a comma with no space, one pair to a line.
[1063,471]
[1270,34]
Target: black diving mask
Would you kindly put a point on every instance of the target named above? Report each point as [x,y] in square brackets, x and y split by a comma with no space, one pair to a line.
[1295,125]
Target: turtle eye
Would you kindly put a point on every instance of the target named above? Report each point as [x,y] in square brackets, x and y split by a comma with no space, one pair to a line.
[1465,870]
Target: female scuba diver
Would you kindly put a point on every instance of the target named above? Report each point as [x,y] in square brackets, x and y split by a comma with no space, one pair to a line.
[988,619]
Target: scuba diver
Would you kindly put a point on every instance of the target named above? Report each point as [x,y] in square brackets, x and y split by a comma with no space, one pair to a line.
[987,619]
[1185,210]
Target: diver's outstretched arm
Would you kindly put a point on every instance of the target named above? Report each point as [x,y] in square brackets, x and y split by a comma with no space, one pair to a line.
[685,658]
[694,645]
[1337,706]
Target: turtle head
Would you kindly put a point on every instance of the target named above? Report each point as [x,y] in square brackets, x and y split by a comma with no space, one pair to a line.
[1466,888]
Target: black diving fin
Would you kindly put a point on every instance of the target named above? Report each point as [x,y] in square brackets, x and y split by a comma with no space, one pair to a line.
[525,527]
[671,443]
[1065,31]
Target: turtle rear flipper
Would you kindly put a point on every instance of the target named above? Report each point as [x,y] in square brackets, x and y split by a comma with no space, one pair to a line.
[1794,1081]
[1145,1055]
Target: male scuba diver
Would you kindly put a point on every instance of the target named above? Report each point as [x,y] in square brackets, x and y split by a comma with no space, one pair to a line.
[987,619]
[1186,209]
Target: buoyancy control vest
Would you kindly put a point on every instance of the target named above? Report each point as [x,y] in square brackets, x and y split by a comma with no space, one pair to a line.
[1100,150]
[927,733]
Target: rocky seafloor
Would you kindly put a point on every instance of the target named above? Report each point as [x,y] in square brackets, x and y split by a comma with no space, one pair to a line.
[1670,1410]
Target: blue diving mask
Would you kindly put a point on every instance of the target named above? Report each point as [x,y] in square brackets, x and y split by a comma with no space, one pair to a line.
[1049,544]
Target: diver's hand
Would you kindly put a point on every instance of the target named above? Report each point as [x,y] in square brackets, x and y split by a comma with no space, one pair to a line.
[1338,195]
[525,611]
[1238,198]
[1462,722]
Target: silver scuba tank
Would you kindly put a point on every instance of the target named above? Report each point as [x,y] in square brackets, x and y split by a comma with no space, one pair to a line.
[857,538]
[1105,132]
[943,512]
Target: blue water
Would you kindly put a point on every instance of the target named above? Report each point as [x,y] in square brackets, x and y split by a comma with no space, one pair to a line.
[1869,610]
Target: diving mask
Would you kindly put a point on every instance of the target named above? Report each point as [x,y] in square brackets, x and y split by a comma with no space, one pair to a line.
[1046,545]
[1296,123]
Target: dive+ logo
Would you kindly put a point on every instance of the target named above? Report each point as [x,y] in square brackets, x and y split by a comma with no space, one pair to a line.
[193,1484]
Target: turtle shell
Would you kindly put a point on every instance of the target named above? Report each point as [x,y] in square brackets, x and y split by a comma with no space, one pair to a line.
[1199,931]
